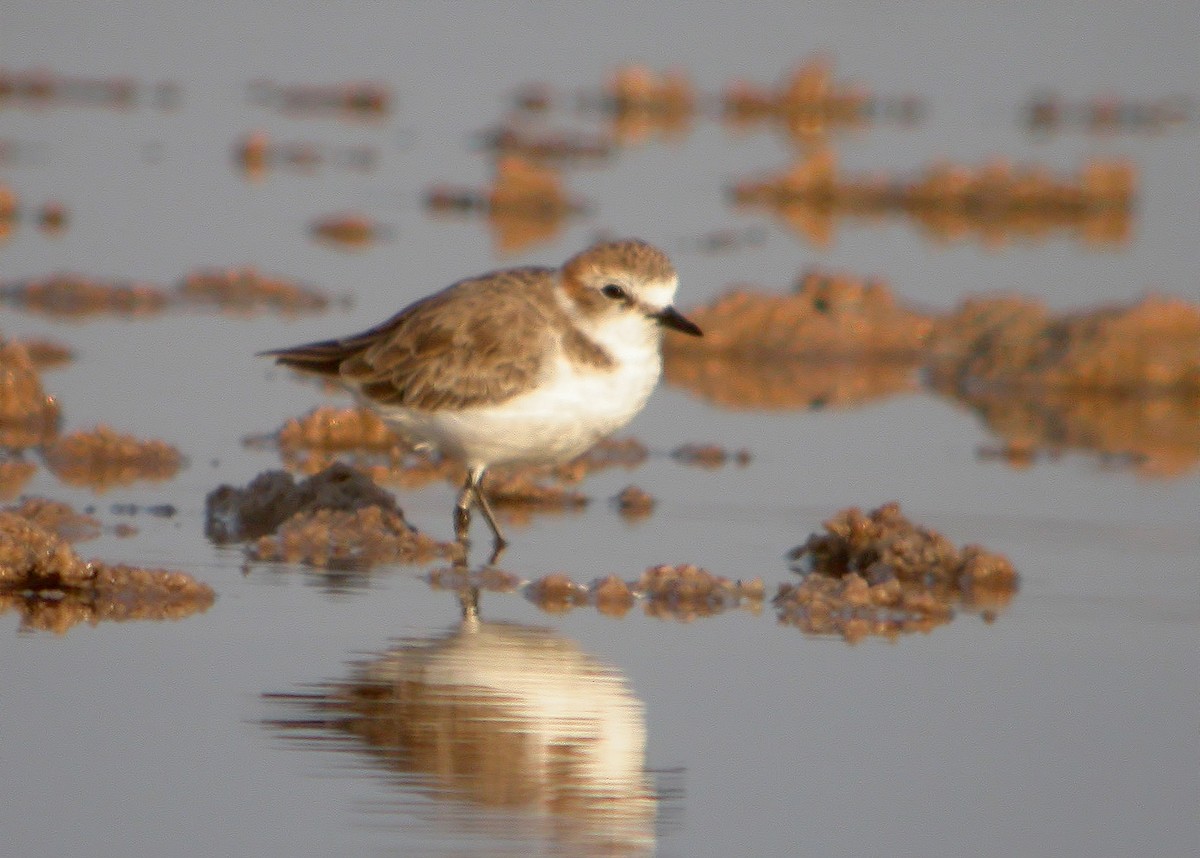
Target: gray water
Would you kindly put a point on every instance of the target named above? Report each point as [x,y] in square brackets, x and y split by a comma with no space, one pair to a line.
[1067,726]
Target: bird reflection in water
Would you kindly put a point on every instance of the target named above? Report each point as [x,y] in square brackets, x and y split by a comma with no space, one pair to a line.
[513,732]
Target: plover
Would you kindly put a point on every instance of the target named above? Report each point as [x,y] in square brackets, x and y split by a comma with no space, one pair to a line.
[526,365]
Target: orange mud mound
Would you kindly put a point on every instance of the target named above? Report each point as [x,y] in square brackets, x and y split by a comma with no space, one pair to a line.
[52,218]
[47,354]
[238,291]
[526,204]
[518,494]
[835,339]
[634,503]
[334,429]
[741,383]
[256,154]
[349,231]
[28,416]
[58,518]
[14,474]
[644,103]
[244,291]
[709,456]
[41,577]
[459,578]
[880,574]
[948,202]
[1122,382]
[827,315]
[102,458]
[75,296]
[806,106]
[682,592]
[9,209]
[343,539]
[520,491]
[358,437]
[1158,435]
[1151,347]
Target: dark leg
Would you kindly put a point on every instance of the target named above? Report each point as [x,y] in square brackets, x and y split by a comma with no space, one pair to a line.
[475,484]
[462,513]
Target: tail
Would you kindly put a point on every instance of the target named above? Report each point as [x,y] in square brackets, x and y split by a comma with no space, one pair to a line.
[323,358]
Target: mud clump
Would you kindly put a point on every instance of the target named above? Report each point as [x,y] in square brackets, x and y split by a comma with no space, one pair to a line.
[53,217]
[834,339]
[1122,382]
[556,593]
[235,515]
[612,596]
[349,231]
[686,591]
[1157,436]
[256,154]
[29,416]
[709,456]
[14,474]
[810,103]
[520,488]
[527,203]
[948,202]
[739,382]
[102,458]
[880,574]
[634,503]
[58,518]
[338,518]
[682,592]
[827,315]
[344,539]
[332,429]
[43,578]
[236,291]
[1151,347]
[74,296]
[47,354]
[244,291]
[643,103]
[33,558]
[315,441]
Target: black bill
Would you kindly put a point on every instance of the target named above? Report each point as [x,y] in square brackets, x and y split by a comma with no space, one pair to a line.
[669,317]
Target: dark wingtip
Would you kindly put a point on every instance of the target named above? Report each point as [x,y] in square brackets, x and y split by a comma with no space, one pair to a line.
[323,358]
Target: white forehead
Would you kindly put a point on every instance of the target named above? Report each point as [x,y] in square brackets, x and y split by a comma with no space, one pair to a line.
[658,293]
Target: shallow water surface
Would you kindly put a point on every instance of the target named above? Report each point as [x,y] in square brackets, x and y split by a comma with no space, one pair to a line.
[314,712]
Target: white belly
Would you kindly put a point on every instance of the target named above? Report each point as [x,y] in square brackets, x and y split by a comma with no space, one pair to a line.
[573,409]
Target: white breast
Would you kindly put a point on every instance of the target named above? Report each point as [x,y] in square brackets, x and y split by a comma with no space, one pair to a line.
[569,411]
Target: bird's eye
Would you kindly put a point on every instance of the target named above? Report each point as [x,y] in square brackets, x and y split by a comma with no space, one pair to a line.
[612,290]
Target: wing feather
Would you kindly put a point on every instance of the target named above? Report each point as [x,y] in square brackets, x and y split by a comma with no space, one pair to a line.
[478,342]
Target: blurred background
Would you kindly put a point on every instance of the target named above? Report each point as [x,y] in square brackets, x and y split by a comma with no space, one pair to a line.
[960,241]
